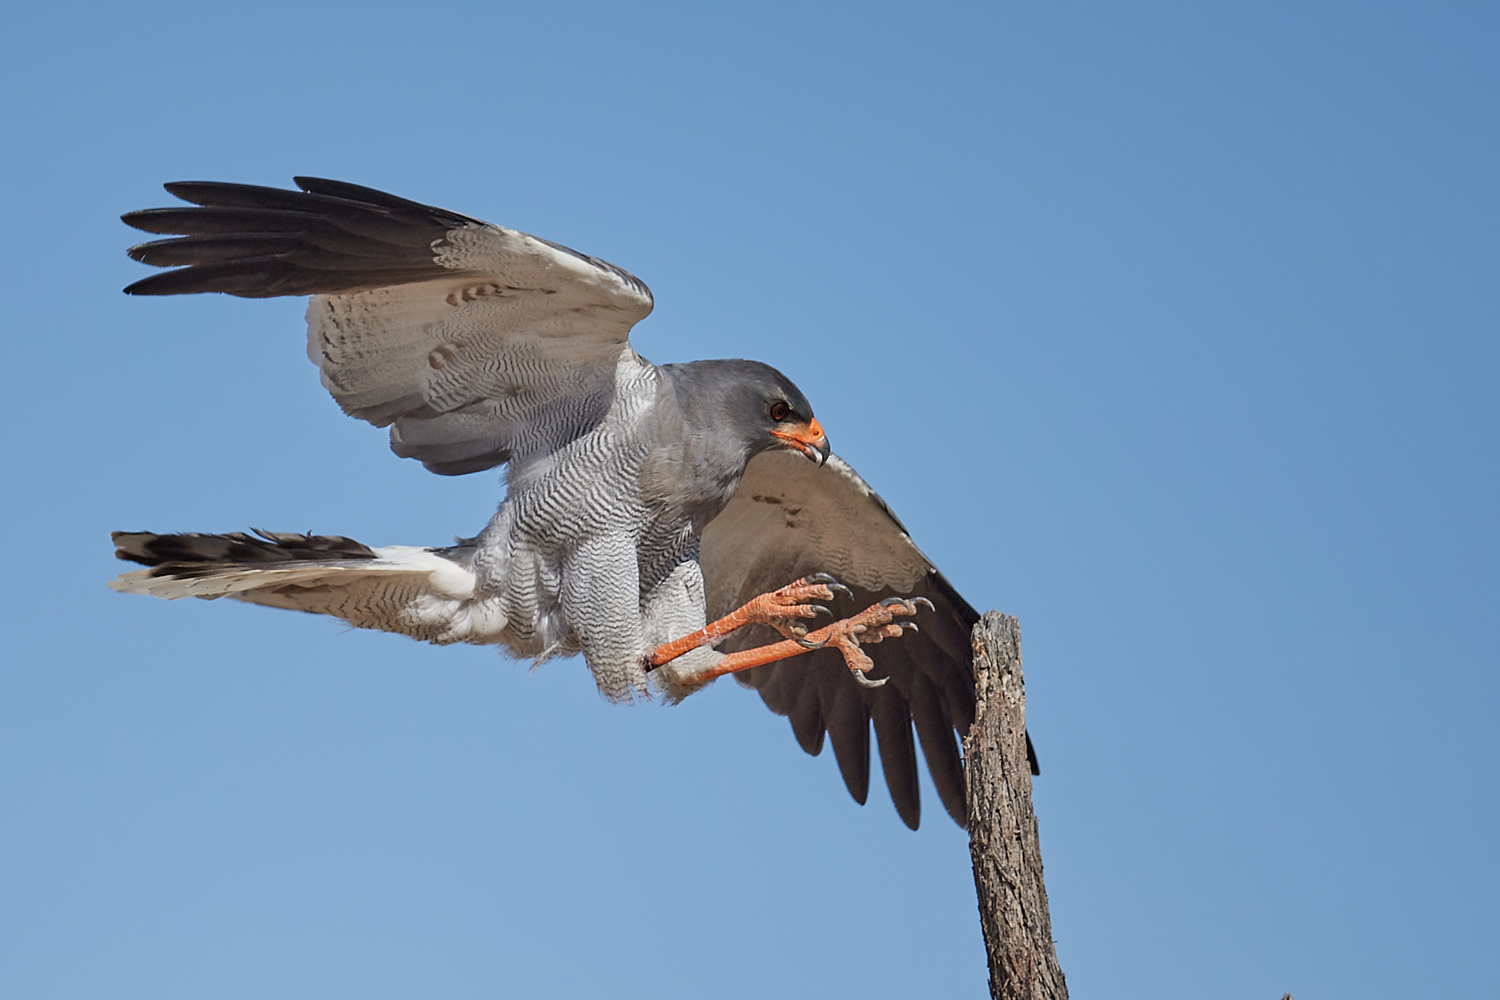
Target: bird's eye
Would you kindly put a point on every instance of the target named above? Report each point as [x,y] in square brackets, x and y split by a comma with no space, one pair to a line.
[780,410]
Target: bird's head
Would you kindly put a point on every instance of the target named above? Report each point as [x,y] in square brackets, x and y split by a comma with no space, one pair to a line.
[794,433]
[783,415]
[762,405]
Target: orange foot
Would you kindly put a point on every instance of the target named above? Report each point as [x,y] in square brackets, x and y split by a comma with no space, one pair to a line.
[867,628]
[781,609]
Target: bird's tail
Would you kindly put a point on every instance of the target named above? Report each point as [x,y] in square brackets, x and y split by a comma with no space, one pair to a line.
[427,594]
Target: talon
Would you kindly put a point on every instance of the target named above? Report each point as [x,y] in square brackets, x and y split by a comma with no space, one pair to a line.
[813,578]
[839,586]
[889,602]
[806,643]
[909,625]
[818,609]
[922,600]
[863,681]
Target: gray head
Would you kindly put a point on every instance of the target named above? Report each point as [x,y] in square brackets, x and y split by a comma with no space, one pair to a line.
[749,403]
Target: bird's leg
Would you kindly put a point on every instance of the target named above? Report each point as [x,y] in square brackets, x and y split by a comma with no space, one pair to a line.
[870,626]
[779,609]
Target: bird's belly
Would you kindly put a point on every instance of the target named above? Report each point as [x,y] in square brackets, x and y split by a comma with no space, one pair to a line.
[575,553]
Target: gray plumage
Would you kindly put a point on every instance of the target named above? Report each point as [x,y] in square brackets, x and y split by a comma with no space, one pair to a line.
[641,498]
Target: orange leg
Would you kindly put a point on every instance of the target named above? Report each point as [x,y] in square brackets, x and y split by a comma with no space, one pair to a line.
[866,628]
[775,609]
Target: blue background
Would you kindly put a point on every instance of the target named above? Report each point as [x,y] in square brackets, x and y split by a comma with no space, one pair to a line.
[1170,328]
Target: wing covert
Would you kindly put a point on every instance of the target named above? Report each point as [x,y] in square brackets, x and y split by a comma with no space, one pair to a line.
[790,518]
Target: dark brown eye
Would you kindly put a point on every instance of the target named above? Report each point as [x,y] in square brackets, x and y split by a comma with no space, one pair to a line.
[780,410]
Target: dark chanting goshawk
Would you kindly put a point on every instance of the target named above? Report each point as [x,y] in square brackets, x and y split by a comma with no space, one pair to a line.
[672,523]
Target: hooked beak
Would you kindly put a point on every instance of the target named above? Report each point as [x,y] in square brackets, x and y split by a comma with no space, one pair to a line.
[808,439]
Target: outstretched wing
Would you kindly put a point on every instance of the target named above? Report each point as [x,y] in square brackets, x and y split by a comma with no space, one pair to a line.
[473,342]
[790,518]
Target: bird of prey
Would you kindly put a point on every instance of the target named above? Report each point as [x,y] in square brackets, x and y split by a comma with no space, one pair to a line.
[672,523]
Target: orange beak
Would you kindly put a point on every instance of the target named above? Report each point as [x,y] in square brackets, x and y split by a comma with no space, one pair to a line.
[808,439]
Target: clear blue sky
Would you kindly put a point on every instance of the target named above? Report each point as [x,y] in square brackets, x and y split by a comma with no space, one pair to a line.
[1169,328]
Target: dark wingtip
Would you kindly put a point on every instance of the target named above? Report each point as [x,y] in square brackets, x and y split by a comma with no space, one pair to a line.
[959,813]
[186,190]
[165,283]
[324,187]
[143,287]
[140,218]
[351,192]
[259,242]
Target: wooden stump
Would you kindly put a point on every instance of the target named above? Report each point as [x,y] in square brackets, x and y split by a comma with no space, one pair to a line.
[1002,828]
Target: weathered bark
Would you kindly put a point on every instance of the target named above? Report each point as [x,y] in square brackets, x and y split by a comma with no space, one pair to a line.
[1002,828]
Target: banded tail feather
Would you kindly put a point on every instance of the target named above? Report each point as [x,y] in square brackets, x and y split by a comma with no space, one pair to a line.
[189,549]
[428,594]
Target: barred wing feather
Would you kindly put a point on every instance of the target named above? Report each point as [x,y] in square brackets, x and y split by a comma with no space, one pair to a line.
[473,342]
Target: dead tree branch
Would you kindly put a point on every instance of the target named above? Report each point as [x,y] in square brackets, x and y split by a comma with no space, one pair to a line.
[1002,828]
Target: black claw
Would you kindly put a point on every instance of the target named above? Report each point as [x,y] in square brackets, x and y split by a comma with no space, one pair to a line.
[839,586]
[807,643]
[863,681]
[818,609]
[910,625]
[889,602]
[922,600]
[813,578]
